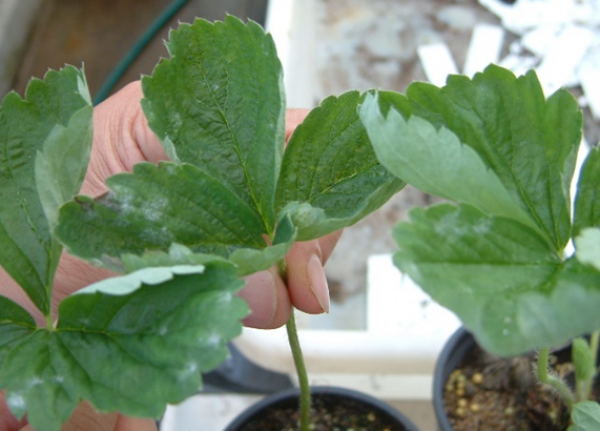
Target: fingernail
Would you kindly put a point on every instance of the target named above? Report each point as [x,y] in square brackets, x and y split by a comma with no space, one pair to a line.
[318,282]
[261,295]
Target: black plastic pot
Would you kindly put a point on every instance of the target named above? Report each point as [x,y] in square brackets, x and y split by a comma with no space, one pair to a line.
[452,353]
[289,398]
[455,349]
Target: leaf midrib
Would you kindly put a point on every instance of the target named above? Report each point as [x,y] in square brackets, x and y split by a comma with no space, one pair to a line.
[234,140]
[328,145]
[494,149]
[352,177]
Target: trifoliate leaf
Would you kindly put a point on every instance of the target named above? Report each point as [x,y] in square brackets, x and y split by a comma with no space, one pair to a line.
[495,144]
[133,352]
[219,104]
[219,196]
[27,126]
[330,169]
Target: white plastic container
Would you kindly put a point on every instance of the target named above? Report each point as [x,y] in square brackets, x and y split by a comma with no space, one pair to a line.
[393,358]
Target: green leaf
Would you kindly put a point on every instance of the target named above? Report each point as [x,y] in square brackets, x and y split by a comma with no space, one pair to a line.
[583,360]
[156,206]
[219,104]
[61,164]
[500,277]
[28,126]
[157,338]
[529,143]
[588,247]
[219,196]
[509,123]
[585,416]
[436,162]
[587,202]
[330,175]
[15,324]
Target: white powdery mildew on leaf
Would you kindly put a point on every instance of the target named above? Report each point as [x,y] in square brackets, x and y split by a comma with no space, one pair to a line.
[35,381]
[191,369]
[212,340]
[151,235]
[483,226]
[154,210]
[16,401]
[450,225]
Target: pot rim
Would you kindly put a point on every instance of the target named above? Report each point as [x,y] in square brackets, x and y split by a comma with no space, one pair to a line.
[282,396]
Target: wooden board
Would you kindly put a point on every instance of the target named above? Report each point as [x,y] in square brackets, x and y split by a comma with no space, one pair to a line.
[98,33]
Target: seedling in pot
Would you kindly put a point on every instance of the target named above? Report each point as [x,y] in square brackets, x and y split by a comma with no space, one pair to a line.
[229,203]
[506,156]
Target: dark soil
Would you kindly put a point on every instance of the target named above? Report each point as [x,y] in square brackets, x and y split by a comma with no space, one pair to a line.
[329,413]
[489,393]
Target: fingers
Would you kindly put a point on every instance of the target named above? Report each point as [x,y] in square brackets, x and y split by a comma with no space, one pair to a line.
[122,138]
[307,283]
[268,299]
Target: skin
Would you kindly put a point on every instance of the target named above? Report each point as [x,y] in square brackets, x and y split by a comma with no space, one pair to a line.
[122,138]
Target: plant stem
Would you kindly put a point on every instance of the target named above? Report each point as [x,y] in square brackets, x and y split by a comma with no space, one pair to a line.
[49,321]
[292,332]
[558,384]
[594,338]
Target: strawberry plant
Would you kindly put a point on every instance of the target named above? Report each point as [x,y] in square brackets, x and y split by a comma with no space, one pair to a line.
[504,155]
[228,203]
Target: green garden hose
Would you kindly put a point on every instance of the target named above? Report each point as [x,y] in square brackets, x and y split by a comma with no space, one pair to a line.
[117,73]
